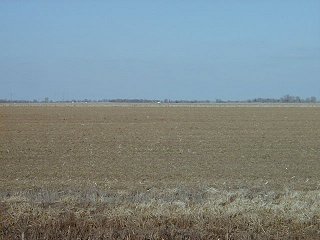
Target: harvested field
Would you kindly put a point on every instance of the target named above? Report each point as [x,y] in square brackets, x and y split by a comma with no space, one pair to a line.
[157,171]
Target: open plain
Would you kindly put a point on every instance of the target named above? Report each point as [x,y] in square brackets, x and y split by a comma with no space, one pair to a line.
[159,172]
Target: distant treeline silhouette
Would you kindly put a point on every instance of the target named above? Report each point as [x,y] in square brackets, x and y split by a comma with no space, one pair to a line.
[285,99]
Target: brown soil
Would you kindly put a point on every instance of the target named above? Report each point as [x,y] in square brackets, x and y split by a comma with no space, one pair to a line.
[159,172]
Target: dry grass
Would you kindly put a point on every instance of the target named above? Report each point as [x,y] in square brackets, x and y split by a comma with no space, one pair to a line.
[157,213]
[159,172]
[172,213]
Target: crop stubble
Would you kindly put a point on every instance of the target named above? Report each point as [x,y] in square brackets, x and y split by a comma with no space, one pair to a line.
[176,155]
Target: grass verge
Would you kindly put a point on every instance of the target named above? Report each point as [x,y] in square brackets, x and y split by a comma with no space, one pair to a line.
[172,213]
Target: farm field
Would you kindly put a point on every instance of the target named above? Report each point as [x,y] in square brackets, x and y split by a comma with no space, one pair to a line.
[159,171]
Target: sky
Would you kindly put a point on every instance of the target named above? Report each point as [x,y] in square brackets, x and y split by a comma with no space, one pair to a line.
[162,49]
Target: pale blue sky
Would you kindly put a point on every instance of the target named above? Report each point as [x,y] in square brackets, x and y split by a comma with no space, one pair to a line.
[173,49]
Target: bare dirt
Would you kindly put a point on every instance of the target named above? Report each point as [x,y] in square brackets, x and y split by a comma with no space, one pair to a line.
[226,165]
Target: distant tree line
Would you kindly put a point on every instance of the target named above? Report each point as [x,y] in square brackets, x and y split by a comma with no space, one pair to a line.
[285,99]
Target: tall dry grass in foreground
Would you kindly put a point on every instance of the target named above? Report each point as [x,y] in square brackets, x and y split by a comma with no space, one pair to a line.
[176,213]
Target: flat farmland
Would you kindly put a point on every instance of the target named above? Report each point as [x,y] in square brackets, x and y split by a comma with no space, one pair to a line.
[159,171]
